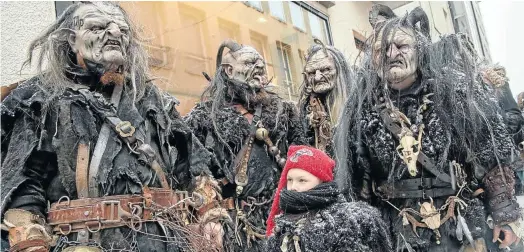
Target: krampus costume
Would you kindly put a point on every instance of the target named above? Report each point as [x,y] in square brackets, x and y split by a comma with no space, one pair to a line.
[326,82]
[98,141]
[425,142]
[248,129]
[320,219]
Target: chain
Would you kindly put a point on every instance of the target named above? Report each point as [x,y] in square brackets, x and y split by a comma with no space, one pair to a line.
[64,242]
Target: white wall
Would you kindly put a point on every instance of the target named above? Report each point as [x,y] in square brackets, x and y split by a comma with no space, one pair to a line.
[20,22]
[503,24]
[345,17]
[439,16]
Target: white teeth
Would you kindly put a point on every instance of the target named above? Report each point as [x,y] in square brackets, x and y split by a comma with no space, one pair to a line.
[113,42]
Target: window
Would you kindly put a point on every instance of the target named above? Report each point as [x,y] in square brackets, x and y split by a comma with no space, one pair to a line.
[228,30]
[285,77]
[276,9]
[255,4]
[179,63]
[302,57]
[297,16]
[359,40]
[193,48]
[460,20]
[60,7]
[318,27]
[259,42]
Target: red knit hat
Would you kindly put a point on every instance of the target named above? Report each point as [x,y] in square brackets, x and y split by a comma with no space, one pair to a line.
[305,158]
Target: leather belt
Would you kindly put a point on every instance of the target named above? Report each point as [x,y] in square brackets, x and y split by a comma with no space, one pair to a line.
[94,214]
[413,188]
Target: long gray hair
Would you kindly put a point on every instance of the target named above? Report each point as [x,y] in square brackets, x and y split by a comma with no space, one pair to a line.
[336,97]
[55,58]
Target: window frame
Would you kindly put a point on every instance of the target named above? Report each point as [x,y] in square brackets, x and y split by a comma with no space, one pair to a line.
[304,28]
[281,19]
[258,8]
[284,54]
[319,14]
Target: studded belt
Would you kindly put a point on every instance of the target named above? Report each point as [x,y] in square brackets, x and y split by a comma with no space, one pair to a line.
[94,214]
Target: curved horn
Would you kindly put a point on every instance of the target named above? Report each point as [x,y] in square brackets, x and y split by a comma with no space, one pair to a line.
[231,44]
[418,15]
[321,44]
[377,11]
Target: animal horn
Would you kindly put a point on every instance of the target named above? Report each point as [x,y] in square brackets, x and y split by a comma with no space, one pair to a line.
[318,41]
[231,44]
[379,10]
[418,15]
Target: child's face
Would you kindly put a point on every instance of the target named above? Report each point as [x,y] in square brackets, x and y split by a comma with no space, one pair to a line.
[301,181]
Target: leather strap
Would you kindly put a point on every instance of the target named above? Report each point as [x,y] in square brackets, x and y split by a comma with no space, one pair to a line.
[415,184]
[21,246]
[101,144]
[243,156]
[424,160]
[425,194]
[228,204]
[82,164]
[414,188]
[125,131]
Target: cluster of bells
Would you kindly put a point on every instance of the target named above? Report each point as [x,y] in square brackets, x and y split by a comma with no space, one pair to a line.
[262,134]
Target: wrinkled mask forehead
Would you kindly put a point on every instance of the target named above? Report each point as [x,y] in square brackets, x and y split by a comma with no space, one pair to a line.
[247,53]
[319,60]
[399,36]
[98,13]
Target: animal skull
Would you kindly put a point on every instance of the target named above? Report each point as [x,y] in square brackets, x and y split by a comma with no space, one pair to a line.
[430,214]
[408,150]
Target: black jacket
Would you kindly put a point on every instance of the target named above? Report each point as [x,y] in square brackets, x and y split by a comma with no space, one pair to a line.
[40,137]
[341,226]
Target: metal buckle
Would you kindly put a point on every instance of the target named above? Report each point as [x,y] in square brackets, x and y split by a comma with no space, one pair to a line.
[114,216]
[125,124]
[61,230]
[181,199]
[98,223]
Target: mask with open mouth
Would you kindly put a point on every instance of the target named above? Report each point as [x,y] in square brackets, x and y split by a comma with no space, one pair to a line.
[100,40]
[246,66]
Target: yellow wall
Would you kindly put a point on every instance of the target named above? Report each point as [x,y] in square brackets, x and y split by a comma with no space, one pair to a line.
[183,38]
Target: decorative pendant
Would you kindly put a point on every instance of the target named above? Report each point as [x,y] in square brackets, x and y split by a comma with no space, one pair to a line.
[409,148]
[431,217]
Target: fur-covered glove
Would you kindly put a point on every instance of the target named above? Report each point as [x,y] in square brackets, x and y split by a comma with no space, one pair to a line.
[27,231]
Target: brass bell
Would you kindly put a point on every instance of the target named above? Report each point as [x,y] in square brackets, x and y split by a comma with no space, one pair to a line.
[262,134]
[273,150]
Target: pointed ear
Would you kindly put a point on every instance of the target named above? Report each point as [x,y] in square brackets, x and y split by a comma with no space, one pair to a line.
[228,69]
[380,13]
[71,39]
